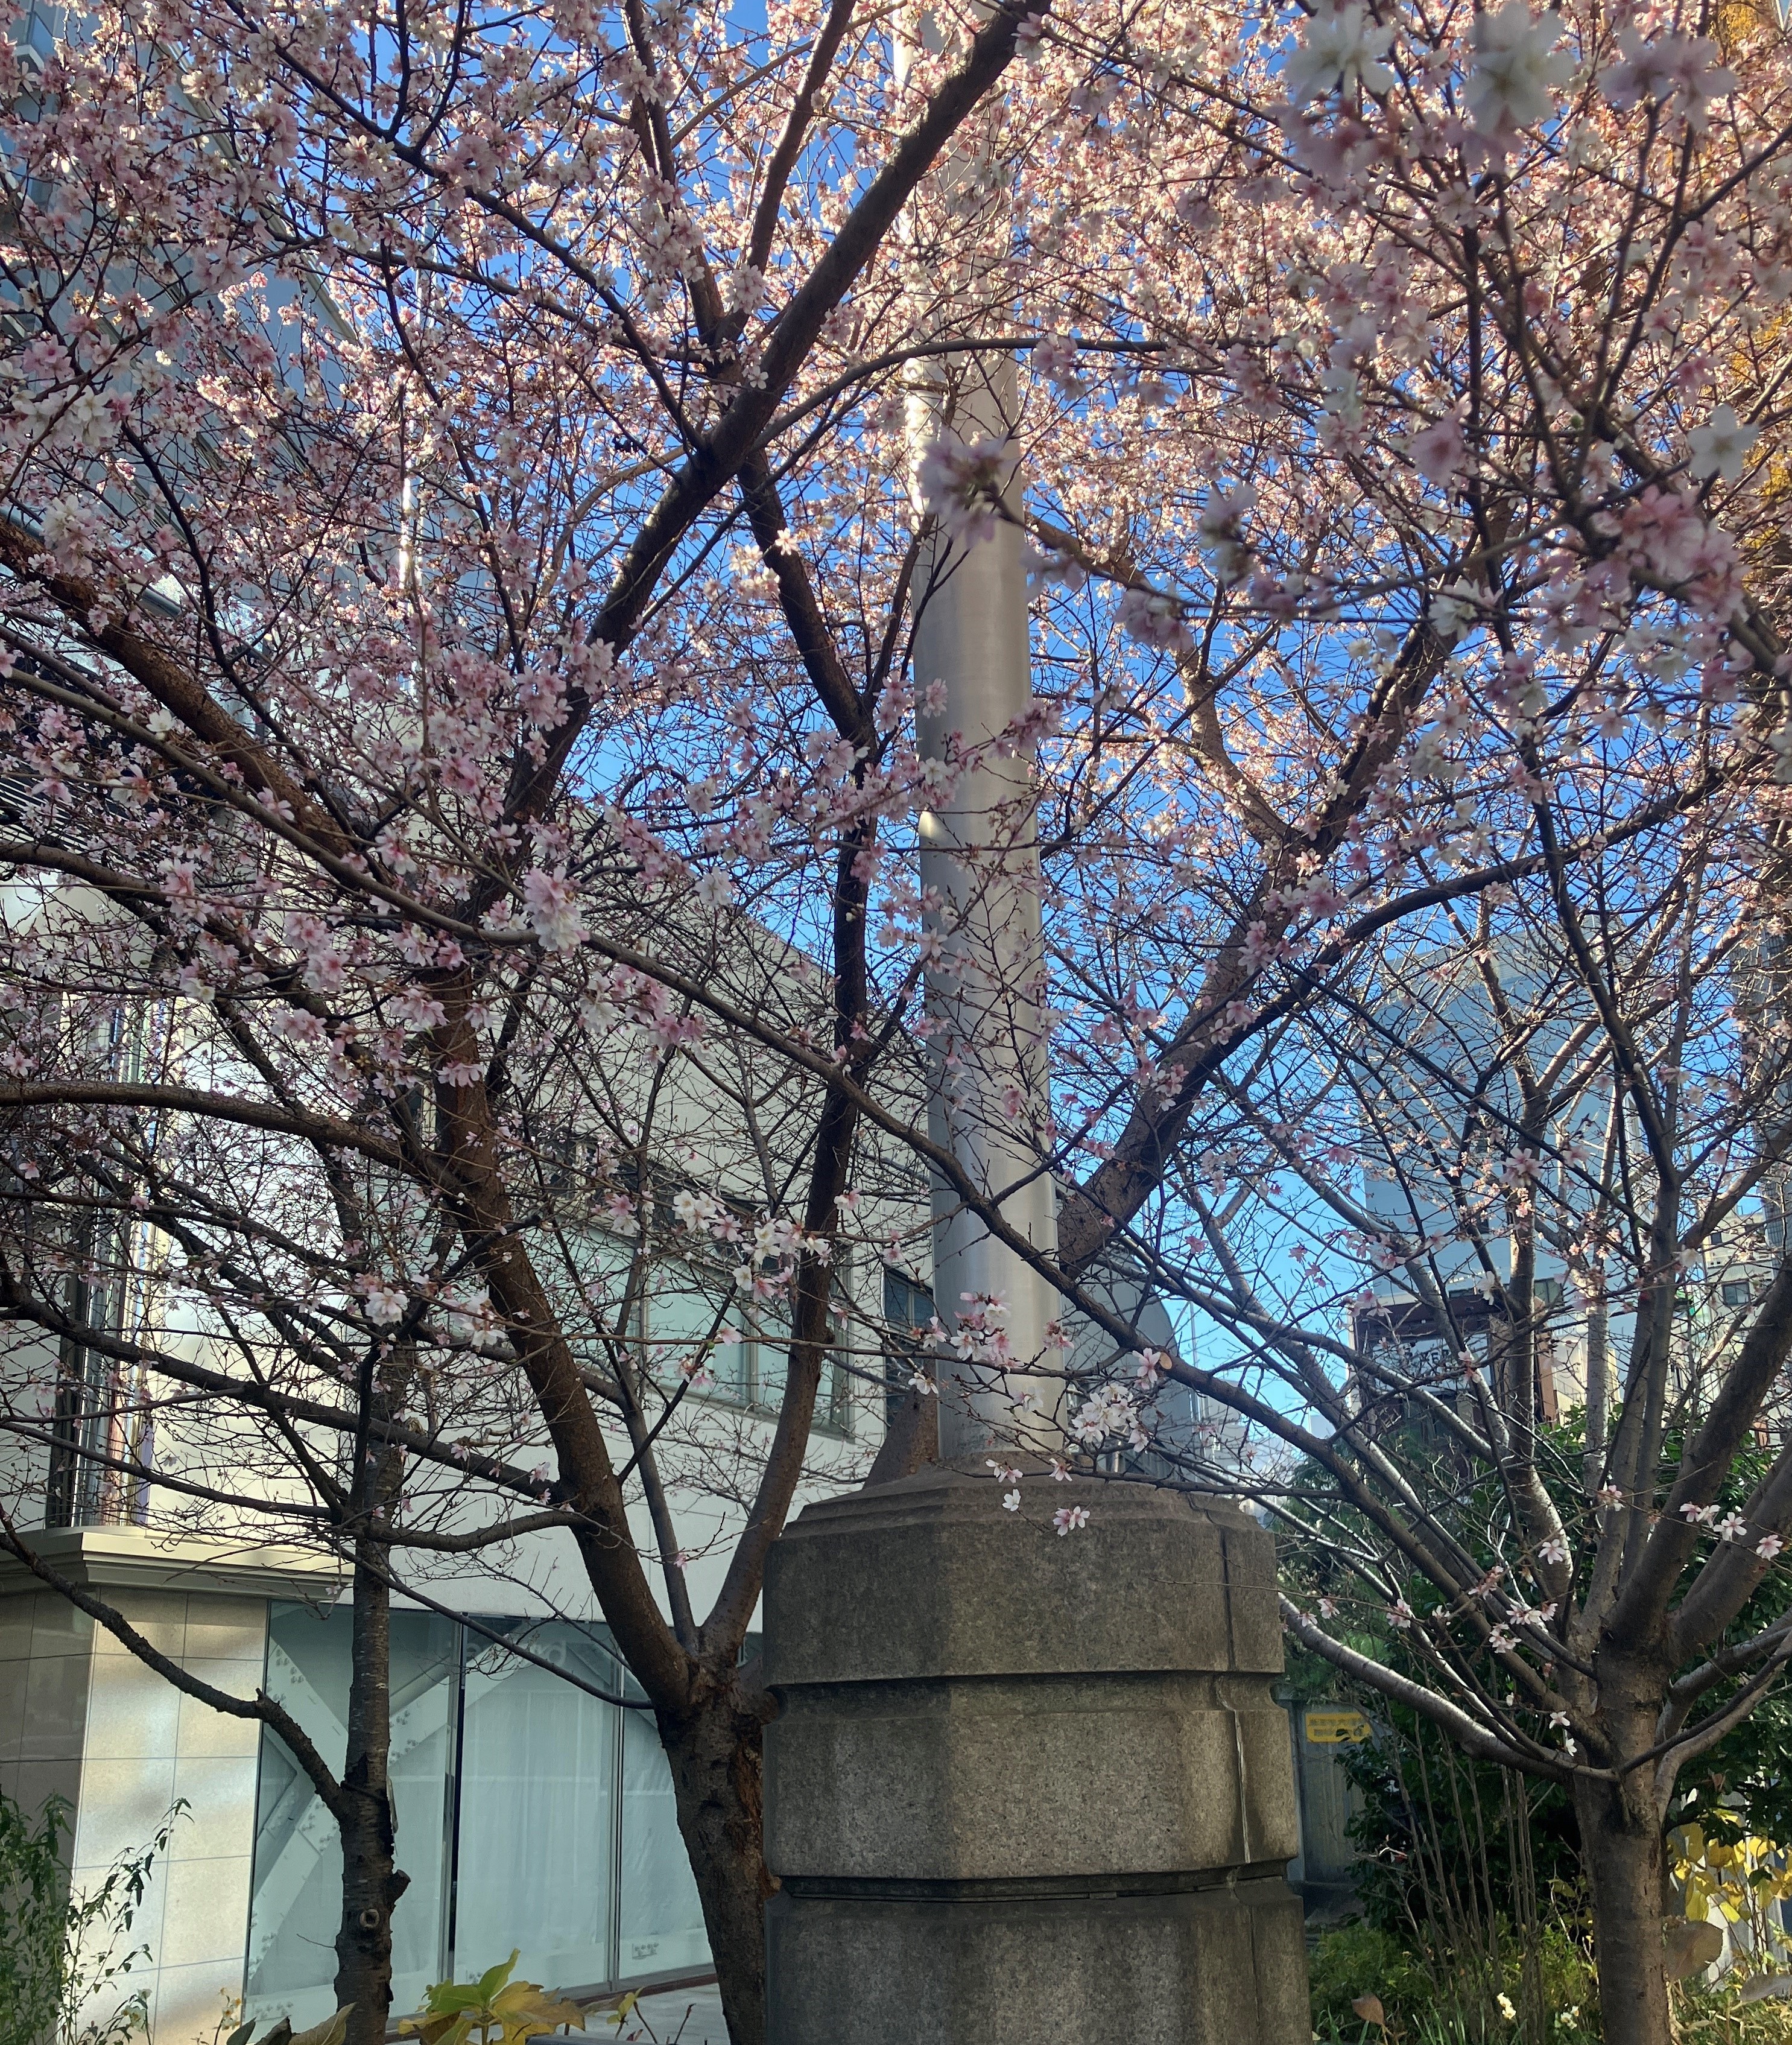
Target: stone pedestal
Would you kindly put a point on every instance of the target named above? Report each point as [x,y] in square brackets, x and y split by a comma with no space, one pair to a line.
[1028,1789]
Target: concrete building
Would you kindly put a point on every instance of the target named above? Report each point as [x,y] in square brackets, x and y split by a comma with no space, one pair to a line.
[531,1814]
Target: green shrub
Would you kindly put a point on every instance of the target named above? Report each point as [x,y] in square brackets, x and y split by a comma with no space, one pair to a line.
[34,1915]
[1445,1999]
[60,1953]
[1719,2017]
[1361,1959]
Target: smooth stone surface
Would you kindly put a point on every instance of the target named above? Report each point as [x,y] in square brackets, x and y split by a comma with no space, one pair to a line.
[930,1577]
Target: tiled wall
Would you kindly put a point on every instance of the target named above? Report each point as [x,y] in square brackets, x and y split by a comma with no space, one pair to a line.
[123,1745]
[44,1652]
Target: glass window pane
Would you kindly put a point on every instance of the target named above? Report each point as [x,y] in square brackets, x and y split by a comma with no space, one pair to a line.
[296,1902]
[425,1651]
[771,1356]
[606,1266]
[834,1409]
[661,1920]
[537,1812]
[685,1307]
[907,1304]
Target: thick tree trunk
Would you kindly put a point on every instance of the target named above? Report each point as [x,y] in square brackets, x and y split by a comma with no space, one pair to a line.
[716,1751]
[1623,1852]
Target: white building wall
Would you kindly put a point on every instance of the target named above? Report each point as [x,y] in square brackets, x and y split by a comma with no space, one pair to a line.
[45,1649]
[82,1718]
[148,1747]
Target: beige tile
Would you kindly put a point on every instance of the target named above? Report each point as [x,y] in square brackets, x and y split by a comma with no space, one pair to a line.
[226,1629]
[189,2001]
[132,1710]
[101,2009]
[242,1678]
[207,1733]
[16,1613]
[57,1628]
[206,1916]
[160,1616]
[37,1781]
[219,1820]
[123,1803]
[90,1877]
[55,1708]
[13,1676]
[146,1930]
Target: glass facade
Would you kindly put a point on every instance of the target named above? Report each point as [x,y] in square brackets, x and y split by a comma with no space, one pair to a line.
[530,1814]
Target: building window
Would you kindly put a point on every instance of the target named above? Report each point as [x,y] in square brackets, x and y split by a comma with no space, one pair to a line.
[296,1893]
[908,1313]
[692,1310]
[530,1815]
[1737,1291]
[1547,1292]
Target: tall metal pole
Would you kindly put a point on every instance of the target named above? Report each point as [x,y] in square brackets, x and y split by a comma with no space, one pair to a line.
[1017,1788]
[988,1101]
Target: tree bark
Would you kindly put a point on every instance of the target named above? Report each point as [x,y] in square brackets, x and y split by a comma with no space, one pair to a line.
[1623,1854]
[715,1750]
[371,1884]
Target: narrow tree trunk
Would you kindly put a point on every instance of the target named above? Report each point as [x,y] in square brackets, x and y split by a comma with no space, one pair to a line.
[371,1884]
[1623,1852]
[716,1750]
[1599,1395]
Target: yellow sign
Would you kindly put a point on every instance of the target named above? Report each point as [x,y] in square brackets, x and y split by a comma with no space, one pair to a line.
[1336,1728]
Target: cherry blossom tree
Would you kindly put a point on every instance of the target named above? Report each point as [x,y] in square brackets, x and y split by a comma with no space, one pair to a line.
[397,471]
[464,530]
[1462,330]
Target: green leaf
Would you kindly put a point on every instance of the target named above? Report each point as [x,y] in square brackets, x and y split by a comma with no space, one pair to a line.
[495,1978]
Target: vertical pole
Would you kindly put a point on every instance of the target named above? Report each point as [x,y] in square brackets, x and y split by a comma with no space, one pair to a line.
[988,1099]
[939,1819]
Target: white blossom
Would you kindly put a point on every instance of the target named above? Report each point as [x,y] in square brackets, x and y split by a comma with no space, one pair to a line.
[1517,65]
[1342,49]
[715,889]
[1670,68]
[1720,446]
[385,1304]
[1107,1411]
[1440,451]
[1222,528]
[552,911]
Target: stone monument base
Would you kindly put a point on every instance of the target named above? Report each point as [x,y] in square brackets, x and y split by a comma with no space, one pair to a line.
[1027,1787]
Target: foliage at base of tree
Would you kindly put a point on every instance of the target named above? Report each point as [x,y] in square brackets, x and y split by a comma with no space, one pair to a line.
[1434,1998]
[33,1909]
[64,1958]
